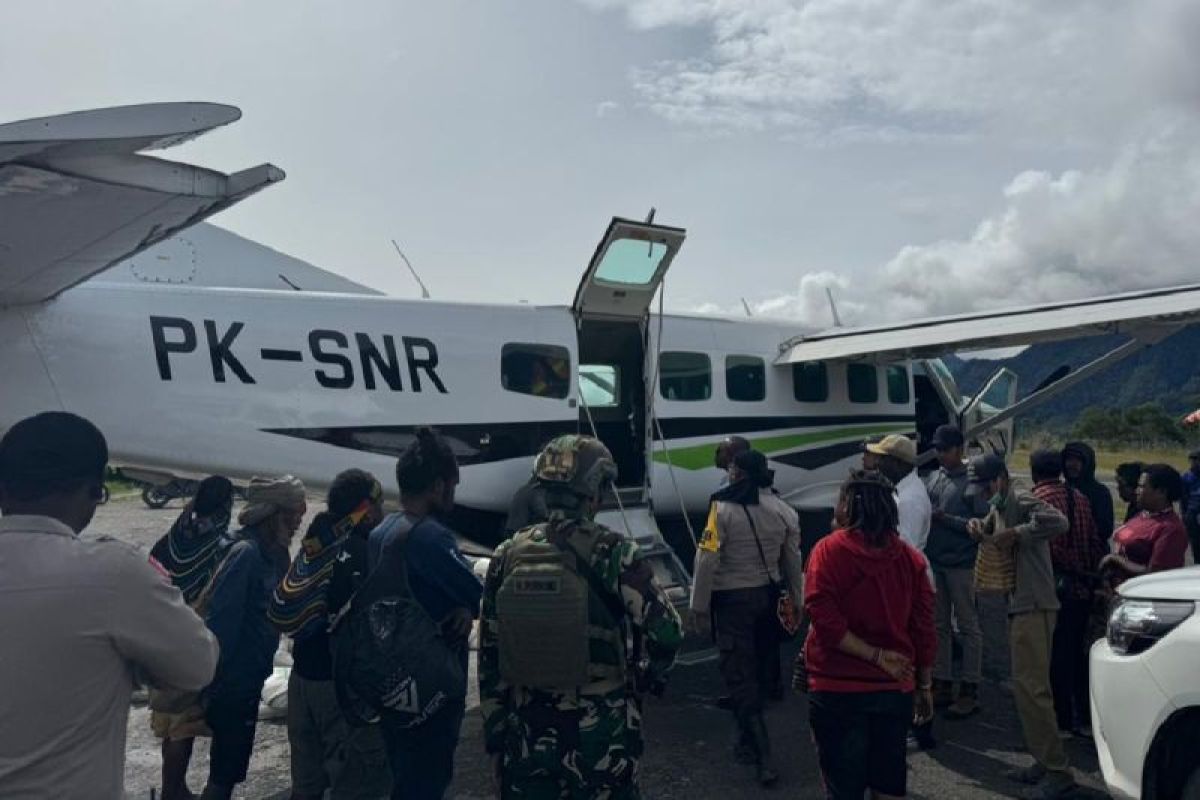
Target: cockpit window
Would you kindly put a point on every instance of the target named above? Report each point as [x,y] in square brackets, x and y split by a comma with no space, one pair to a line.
[541,370]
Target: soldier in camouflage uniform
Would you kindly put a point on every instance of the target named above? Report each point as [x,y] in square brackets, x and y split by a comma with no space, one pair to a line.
[582,742]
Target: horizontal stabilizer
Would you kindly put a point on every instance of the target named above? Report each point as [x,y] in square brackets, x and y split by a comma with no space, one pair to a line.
[75,197]
[1148,315]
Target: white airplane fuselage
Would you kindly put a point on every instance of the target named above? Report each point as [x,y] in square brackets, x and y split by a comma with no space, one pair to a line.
[194,380]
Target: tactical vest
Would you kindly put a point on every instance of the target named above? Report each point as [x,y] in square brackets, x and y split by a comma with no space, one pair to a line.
[555,615]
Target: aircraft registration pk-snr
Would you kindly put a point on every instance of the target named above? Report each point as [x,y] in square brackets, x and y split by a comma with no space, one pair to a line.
[197,351]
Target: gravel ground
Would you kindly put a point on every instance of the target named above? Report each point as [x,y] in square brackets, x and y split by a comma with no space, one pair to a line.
[687,751]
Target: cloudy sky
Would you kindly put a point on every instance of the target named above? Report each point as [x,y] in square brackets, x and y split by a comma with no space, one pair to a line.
[919,156]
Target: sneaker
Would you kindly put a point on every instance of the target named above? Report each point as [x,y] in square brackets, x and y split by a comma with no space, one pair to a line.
[966,703]
[1031,775]
[1051,787]
[943,693]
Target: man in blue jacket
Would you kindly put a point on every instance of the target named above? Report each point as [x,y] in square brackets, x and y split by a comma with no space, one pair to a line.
[237,616]
[422,758]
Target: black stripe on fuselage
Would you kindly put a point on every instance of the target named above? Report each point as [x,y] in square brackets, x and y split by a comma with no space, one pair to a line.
[488,442]
[818,457]
[693,427]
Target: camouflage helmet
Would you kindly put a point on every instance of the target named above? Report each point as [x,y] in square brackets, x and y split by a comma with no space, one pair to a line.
[580,464]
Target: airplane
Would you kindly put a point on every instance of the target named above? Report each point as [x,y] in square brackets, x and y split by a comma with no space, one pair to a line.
[197,351]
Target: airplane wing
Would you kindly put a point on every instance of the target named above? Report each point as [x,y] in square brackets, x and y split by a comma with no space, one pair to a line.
[75,196]
[1148,316]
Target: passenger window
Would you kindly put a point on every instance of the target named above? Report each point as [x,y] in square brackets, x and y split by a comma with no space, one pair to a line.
[810,382]
[542,370]
[745,378]
[685,376]
[862,381]
[897,382]
[600,385]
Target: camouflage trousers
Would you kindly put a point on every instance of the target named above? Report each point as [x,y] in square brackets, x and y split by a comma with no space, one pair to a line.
[580,748]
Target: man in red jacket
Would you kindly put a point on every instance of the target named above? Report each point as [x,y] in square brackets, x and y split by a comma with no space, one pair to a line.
[867,655]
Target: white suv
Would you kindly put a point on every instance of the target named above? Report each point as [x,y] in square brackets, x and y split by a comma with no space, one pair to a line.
[1146,688]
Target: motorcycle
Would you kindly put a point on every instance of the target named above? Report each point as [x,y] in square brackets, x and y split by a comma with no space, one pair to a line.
[158,495]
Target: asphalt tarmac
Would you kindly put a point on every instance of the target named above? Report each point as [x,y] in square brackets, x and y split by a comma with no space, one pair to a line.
[688,739]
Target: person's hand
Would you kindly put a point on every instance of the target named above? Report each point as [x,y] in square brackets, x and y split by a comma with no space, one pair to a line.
[923,705]
[897,665]
[698,622]
[975,529]
[457,624]
[1005,539]
[497,772]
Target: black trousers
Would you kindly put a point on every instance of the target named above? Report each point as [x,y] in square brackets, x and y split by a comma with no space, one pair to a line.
[1069,664]
[1193,532]
[233,720]
[744,627]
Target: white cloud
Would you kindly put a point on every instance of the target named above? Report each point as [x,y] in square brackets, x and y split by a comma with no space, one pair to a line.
[1129,225]
[607,107]
[1117,84]
[890,68]
[1125,226]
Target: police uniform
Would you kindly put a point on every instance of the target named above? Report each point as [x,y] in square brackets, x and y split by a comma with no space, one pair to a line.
[584,742]
[732,582]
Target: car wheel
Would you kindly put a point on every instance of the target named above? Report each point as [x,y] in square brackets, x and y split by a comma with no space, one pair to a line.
[1191,789]
[154,497]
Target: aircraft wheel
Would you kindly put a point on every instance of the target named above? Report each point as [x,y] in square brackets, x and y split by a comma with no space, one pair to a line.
[155,497]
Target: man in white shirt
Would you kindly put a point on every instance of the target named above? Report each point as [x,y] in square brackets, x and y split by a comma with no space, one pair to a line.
[896,457]
[80,620]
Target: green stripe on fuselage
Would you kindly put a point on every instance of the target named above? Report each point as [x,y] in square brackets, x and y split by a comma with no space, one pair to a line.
[700,456]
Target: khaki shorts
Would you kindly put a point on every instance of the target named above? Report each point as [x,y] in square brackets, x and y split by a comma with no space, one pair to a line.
[184,725]
[327,752]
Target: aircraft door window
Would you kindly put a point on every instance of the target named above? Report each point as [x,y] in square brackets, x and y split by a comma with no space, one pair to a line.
[541,370]
[810,381]
[862,381]
[631,262]
[745,378]
[685,376]
[600,385]
[898,386]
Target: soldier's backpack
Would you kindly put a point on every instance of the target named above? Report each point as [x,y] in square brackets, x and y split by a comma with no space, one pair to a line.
[390,661]
[542,606]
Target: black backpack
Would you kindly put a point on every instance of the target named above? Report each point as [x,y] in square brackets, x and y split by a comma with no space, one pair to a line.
[390,660]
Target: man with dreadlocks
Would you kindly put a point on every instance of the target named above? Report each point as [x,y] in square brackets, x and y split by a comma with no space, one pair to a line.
[559,693]
[871,646]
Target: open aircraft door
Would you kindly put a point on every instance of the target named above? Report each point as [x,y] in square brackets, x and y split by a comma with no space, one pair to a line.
[997,395]
[626,270]
[615,373]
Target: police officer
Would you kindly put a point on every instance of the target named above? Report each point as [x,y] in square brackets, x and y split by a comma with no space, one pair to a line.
[751,544]
[559,687]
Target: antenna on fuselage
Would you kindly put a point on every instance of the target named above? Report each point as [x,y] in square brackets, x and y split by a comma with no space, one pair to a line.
[284,278]
[746,306]
[412,269]
[837,321]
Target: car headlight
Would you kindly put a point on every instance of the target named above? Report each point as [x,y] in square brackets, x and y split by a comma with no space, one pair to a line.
[1135,625]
